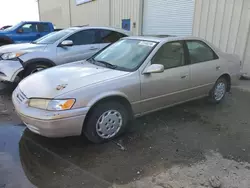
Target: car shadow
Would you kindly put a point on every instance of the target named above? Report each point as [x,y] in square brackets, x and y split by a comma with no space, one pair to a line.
[176,136]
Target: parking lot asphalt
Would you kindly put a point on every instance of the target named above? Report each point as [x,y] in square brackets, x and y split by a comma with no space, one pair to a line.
[180,135]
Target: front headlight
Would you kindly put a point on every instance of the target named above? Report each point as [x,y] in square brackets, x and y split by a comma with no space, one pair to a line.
[61,104]
[52,105]
[11,55]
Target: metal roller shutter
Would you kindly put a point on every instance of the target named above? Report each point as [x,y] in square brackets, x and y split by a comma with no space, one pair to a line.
[168,17]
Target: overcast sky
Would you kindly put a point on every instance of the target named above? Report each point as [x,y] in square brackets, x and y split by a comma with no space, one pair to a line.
[14,11]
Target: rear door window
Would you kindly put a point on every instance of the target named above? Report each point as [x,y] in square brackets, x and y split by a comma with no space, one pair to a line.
[200,52]
[43,27]
[108,36]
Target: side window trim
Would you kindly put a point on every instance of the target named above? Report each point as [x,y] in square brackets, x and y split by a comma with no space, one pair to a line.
[215,56]
[186,54]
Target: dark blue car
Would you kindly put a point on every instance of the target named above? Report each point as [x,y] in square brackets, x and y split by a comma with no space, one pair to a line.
[25,32]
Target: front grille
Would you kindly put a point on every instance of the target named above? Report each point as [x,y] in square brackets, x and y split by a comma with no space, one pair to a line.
[20,95]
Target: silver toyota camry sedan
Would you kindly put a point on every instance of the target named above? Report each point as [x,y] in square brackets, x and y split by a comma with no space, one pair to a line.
[130,78]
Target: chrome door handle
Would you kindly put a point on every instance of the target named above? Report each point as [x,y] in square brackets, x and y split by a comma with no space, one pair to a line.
[218,68]
[184,76]
[93,48]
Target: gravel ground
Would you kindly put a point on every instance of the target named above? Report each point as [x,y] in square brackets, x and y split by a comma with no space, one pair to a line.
[7,113]
[192,145]
[214,171]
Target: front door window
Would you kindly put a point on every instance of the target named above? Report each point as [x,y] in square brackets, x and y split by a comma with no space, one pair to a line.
[29,28]
[170,55]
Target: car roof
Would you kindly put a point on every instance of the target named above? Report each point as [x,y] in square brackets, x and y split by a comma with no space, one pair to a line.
[106,28]
[34,22]
[163,38]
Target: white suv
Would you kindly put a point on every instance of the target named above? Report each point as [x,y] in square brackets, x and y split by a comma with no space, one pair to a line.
[73,44]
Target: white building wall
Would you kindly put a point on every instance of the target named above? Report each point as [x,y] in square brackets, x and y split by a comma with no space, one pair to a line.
[55,11]
[65,13]
[127,9]
[95,13]
[107,13]
[225,23]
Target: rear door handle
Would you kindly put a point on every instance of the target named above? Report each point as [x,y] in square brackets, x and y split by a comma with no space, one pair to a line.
[218,68]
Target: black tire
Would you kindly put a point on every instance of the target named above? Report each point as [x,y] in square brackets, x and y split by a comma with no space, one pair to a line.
[2,43]
[89,128]
[212,96]
[31,68]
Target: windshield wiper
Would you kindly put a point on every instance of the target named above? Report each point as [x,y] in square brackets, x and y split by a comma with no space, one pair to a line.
[91,60]
[109,65]
[33,42]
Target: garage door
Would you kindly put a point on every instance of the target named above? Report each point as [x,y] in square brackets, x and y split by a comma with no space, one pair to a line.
[168,17]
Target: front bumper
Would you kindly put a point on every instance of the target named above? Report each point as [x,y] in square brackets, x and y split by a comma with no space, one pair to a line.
[49,123]
[54,128]
[9,69]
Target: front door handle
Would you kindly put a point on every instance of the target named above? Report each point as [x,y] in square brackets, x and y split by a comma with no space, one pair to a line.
[218,68]
[93,48]
[184,76]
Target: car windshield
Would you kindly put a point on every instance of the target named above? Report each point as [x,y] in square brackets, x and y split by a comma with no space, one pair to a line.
[126,54]
[52,37]
[13,27]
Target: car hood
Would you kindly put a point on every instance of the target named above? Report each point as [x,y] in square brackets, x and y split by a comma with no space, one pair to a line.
[59,80]
[25,47]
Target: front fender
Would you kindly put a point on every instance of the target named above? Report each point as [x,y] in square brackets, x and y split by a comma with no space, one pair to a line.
[89,97]
[9,70]
[36,57]
[105,95]
[6,39]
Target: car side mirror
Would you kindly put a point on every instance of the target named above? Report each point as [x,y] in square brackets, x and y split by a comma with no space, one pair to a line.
[20,30]
[154,68]
[66,43]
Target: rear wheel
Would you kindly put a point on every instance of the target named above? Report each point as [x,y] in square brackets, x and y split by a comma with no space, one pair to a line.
[31,69]
[219,90]
[106,121]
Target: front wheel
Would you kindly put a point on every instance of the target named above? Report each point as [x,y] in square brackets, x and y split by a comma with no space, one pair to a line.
[219,90]
[31,69]
[106,121]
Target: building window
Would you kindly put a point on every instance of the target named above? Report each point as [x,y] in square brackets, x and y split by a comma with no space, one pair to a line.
[79,2]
